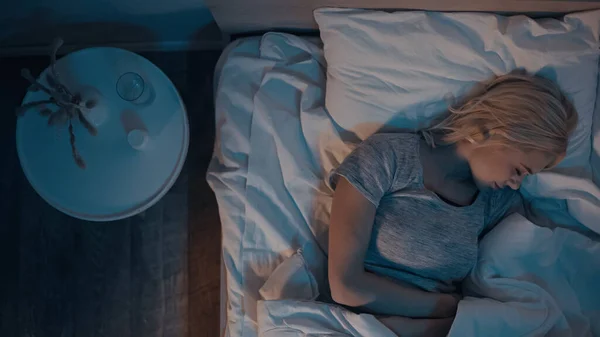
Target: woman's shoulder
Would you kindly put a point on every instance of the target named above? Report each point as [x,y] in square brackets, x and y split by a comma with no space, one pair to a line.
[380,164]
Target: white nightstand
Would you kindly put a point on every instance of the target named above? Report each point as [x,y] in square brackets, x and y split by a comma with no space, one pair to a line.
[137,154]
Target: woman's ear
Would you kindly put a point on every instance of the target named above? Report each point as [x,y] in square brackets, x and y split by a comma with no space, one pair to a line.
[478,138]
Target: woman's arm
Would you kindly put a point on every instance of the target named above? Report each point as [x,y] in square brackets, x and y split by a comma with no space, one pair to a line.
[352,217]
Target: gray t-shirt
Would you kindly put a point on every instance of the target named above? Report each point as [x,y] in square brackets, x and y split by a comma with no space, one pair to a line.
[417,237]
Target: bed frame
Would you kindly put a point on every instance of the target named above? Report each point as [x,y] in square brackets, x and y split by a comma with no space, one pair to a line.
[248,17]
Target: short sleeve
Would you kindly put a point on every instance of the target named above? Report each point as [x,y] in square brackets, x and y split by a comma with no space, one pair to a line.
[371,168]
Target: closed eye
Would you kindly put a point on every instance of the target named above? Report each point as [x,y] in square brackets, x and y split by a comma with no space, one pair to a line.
[526,169]
[518,172]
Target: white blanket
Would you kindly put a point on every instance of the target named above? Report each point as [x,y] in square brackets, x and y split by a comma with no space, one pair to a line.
[535,282]
[529,281]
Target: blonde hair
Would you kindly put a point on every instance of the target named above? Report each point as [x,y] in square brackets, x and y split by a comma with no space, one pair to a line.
[518,110]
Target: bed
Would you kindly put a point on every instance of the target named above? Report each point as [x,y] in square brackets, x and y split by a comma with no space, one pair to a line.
[280,133]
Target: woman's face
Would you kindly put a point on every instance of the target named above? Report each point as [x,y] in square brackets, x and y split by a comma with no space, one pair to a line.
[498,166]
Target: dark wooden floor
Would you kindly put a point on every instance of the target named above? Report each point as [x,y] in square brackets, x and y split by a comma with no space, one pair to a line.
[155,274]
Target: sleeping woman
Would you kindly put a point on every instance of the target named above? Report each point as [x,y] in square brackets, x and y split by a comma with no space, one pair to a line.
[410,208]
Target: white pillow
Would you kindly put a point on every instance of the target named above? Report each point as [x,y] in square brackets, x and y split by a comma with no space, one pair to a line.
[398,69]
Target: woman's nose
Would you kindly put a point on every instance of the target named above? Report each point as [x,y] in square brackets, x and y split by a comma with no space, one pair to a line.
[515,182]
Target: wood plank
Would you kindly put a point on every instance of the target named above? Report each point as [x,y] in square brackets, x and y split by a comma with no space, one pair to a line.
[239,16]
[204,238]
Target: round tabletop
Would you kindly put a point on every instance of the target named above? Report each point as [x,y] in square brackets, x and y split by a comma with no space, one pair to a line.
[139,149]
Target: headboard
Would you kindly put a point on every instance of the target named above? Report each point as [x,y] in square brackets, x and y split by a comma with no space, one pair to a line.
[243,16]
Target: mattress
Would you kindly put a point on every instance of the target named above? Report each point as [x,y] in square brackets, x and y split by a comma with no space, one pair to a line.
[275,143]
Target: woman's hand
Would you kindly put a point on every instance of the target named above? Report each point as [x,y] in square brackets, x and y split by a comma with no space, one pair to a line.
[447,305]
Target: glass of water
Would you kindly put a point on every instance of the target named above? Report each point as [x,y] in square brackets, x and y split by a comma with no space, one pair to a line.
[130,86]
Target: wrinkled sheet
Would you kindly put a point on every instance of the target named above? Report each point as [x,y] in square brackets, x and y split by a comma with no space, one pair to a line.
[534,282]
[275,143]
[264,86]
[292,318]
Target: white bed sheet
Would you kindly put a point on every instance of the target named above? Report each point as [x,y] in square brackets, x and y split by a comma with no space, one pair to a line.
[275,143]
[247,73]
